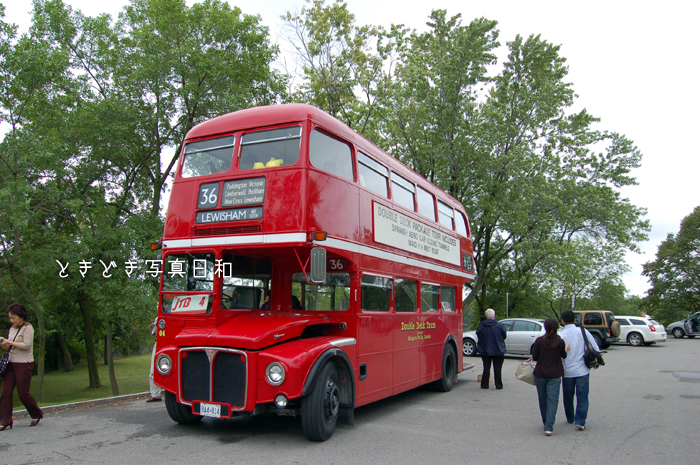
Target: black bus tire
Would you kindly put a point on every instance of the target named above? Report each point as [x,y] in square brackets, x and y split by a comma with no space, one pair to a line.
[178,412]
[449,370]
[319,409]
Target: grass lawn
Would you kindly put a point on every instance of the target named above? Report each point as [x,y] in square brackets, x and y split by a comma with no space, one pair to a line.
[63,388]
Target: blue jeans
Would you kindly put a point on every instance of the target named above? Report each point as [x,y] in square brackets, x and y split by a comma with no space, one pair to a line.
[579,387]
[548,395]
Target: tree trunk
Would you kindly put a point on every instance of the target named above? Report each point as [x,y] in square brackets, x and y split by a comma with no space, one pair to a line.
[67,361]
[110,359]
[89,342]
[41,333]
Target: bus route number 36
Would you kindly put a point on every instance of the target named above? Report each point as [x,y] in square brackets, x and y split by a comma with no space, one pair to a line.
[337,264]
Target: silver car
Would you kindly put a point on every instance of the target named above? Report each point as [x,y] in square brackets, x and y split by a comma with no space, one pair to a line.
[689,327]
[521,335]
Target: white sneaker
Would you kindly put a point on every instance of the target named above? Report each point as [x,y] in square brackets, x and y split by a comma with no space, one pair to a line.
[548,433]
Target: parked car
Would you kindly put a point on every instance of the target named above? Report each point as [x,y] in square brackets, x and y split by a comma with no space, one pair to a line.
[601,324]
[689,327]
[640,330]
[520,338]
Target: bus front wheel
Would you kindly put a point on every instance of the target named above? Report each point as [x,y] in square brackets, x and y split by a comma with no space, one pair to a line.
[319,409]
[449,370]
[178,412]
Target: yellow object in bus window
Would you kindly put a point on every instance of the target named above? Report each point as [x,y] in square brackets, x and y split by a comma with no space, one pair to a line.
[258,165]
[274,162]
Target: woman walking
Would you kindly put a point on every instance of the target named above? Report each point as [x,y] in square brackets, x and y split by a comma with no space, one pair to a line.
[548,352]
[19,369]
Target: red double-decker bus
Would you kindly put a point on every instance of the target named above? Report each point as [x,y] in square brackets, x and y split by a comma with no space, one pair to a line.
[305,272]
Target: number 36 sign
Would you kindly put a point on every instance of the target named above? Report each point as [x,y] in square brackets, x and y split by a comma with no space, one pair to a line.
[336,264]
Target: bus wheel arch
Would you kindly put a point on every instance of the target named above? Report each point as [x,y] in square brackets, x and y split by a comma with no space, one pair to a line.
[346,384]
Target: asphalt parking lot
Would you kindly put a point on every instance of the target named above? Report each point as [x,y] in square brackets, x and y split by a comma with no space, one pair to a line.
[645,407]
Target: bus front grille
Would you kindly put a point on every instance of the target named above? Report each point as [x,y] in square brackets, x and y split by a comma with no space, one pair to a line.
[254,229]
[214,375]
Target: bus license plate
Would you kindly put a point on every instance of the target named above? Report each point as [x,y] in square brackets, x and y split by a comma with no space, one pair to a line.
[210,410]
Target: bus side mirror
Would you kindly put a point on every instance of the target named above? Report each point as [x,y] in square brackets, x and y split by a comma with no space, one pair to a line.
[318,265]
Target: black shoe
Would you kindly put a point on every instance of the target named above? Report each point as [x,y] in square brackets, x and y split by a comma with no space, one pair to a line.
[3,428]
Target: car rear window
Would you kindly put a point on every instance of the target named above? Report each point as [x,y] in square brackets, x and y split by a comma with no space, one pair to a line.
[654,322]
[593,319]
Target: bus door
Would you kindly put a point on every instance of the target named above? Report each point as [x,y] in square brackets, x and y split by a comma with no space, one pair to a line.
[375,340]
[431,331]
[406,343]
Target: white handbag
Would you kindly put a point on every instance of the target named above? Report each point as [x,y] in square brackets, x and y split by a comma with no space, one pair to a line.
[526,371]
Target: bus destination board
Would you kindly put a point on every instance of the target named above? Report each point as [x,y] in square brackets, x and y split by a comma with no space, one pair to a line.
[243,192]
[230,214]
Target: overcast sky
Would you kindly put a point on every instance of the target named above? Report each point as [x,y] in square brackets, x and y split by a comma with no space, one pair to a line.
[632,64]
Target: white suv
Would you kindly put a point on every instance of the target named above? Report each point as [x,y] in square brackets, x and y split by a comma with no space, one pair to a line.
[640,330]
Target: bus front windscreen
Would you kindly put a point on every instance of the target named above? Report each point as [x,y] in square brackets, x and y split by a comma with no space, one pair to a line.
[188,283]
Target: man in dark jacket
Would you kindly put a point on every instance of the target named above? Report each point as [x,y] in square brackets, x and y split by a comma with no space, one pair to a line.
[491,346]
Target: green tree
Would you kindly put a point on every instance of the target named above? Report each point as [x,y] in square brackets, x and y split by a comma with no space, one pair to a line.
[675,274]
[35,90]
[510,149]
[345,68]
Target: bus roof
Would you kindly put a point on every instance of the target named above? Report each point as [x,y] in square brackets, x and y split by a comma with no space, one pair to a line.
[270,115]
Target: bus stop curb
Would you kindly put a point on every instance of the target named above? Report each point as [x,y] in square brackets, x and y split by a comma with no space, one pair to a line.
[86,403]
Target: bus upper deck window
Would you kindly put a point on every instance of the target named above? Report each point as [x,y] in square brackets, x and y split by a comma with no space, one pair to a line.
[271,148]
[208,157]
[426,203]
[373,175]
[461,224]
[330,155]
[403,192]
[445,215]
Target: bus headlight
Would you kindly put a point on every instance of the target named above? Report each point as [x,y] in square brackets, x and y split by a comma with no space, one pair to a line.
[274,373]
[164,364]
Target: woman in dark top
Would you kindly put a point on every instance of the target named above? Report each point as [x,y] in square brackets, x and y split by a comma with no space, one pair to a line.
[548,352]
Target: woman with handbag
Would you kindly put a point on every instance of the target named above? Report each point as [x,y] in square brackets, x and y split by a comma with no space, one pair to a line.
[548,351]
[18,372]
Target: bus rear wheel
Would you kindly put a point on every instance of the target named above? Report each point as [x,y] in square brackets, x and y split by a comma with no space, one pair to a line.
[319,409]
[449,370]
[178,412]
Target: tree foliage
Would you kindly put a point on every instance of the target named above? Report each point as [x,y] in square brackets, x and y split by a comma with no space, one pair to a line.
[345,68]
[96,112]
[675,273]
